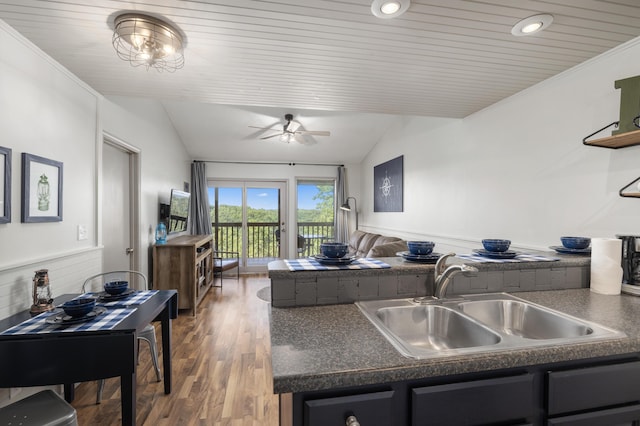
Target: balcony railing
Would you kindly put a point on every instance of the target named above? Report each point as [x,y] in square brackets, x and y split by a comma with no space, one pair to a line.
[314,234]
[264,241]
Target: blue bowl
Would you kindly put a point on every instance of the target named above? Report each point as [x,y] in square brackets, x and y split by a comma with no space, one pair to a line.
[576,242]
[116,287]
[79,307]
[334,250]
[420,247]
[496,245]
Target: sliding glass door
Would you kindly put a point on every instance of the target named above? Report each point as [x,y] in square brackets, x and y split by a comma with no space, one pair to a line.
[248,218]
[315,214]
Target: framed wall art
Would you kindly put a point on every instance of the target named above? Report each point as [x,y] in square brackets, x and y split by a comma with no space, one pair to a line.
[387,186]
[5,185]
[41,189]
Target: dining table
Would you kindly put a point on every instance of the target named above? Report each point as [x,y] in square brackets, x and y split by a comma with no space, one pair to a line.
[36,351]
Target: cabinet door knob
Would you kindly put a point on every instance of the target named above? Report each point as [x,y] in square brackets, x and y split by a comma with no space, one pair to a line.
[128,250]
[352,421]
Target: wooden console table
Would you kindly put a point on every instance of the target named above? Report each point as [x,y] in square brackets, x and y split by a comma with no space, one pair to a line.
[184,264]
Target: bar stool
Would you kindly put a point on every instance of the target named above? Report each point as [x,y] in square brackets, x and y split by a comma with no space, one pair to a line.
[44,408]
[148,334]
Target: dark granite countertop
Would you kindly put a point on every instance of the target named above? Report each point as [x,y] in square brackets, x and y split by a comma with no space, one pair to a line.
[323,347]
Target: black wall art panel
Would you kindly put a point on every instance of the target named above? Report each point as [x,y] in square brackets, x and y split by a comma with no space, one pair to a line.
[387,186]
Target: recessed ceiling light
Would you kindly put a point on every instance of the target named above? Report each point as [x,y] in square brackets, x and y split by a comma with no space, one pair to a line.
[387,9]
[390,8]
[532,24]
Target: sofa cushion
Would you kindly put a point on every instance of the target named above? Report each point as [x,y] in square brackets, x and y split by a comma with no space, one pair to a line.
[354,240]
[384,240]
[388,249]
[366,243]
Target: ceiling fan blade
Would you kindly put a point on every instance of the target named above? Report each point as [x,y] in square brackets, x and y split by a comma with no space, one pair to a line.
[302,140]
[272,136]
[292,126]
[314,133]
[261,128]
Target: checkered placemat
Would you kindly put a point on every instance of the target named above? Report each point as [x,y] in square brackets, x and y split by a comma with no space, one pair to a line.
[521,257]
[38,324]
[313,265]
[131,301]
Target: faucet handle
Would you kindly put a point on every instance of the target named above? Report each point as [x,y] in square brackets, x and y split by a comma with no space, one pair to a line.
[442,263]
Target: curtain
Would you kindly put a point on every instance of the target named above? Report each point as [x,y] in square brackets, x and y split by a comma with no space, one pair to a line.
[342,223]
[200,219]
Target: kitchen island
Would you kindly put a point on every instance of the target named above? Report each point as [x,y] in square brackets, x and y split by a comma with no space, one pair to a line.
[320,353]
[410,279]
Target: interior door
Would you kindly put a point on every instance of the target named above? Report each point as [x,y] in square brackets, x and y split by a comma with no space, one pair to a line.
[249,217]
[119,233]
[116,220]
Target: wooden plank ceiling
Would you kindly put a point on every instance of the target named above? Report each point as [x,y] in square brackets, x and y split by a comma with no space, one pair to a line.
[444,58]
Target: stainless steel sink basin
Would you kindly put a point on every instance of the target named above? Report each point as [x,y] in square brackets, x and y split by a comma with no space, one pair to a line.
[476,323]
[524,319]
[434,327]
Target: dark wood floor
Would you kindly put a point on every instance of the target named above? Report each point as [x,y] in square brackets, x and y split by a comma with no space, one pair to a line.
[221,368]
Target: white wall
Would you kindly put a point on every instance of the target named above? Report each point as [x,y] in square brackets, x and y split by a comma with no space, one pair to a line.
[517,169]
[289,174]
[48,112]
[144,124]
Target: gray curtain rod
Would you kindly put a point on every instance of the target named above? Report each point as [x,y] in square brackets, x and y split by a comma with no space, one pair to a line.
[268,163]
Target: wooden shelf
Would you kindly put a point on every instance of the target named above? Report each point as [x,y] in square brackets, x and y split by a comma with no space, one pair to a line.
[184,263]
[633,193]
[621,140]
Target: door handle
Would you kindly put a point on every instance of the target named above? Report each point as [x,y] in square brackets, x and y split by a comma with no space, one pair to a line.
[128,250]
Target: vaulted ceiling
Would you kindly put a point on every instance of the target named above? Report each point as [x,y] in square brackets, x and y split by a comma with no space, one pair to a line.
[331,63]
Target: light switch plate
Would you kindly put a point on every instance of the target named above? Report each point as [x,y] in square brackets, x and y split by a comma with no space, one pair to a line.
[82,232]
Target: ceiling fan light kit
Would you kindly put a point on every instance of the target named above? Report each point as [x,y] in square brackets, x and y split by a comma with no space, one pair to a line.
[388,9]
[532,24]
[143,40]
[293,131]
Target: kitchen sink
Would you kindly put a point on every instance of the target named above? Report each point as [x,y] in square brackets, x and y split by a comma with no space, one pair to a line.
[524,319]
[434,327]
[475,323]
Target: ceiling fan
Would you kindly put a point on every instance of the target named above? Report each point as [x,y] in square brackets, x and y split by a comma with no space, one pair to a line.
[293,131]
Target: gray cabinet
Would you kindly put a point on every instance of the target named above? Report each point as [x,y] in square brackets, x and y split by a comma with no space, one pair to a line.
[371,409]
[578,393]
[490,401]
[621,416]
[610,395]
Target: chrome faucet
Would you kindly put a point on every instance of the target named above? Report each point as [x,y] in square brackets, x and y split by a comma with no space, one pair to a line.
[444,276]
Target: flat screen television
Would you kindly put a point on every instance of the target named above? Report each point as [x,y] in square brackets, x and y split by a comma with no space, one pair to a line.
[178,211]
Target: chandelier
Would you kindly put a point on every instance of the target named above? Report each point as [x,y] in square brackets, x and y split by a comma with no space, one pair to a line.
[148,41]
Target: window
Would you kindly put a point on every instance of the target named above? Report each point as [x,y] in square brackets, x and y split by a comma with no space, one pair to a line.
[315,214]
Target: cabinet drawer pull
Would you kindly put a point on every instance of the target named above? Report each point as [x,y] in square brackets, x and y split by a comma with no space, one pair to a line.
[352,421]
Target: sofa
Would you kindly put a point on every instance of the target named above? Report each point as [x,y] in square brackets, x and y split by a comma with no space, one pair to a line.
[367,244]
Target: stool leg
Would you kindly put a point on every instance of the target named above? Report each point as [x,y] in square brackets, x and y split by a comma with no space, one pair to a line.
[149,335]
[100,389]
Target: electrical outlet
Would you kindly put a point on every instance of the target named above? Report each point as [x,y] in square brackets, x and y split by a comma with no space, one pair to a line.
[82,232]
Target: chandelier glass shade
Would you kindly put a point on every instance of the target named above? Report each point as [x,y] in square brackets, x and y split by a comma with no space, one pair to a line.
[147,41]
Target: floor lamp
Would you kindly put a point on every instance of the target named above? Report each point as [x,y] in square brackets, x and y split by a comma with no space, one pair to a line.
[347,207]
